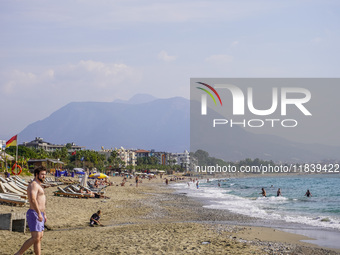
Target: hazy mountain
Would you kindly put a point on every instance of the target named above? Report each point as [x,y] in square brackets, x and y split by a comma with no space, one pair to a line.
[137,99]
[164,125]
[160,124]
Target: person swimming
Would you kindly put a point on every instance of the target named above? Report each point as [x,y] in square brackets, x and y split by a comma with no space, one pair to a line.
[278,193]
[308,194]
[264,194]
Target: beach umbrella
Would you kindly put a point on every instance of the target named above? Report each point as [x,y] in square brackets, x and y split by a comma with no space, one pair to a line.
[98,175]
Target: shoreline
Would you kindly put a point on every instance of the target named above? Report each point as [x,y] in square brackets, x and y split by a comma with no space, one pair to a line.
[153,219]
[320,235]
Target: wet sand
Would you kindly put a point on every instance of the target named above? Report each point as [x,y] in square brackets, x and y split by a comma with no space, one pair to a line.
[151,219]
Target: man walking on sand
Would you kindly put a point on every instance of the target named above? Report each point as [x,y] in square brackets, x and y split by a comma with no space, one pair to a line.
[36,215]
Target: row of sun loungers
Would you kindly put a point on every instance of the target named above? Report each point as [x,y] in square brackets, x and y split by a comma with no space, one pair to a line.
[48,180]
[64,193]
[13,191]
[75,191]
[7,188]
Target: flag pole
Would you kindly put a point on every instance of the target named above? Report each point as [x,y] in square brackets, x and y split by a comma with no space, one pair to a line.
[16,157]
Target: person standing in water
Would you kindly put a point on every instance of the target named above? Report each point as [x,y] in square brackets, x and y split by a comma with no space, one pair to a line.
[278,192]
[308,194]
[264,194]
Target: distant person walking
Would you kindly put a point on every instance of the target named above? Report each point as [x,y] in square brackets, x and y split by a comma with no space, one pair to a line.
[278,192]
[197,184]
[137,180]
[308,194]
[36,215]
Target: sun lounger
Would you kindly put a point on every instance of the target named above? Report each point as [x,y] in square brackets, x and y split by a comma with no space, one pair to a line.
[21,185]
[50,181]
[87,195]
[2,180]
[20,180]
[98,191]
[62,192]
[10,189]
[4,190]
[12,200]
[12,196]
[50,184]
[75,188]
[14,186]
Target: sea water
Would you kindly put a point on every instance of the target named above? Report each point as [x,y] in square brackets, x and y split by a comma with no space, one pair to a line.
[242,196]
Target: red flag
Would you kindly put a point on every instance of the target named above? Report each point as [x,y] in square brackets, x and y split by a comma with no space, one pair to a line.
[12,141]
[74,153]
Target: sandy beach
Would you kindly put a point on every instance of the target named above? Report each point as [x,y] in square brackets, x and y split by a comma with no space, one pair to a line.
[151,219]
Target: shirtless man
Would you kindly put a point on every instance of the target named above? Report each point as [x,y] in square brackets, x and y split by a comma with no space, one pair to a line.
[36,215]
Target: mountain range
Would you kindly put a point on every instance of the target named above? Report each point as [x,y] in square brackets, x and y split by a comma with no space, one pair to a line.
[146,122]
[142,122]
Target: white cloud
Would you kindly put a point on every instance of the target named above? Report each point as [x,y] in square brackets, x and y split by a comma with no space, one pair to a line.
[220,59]
[82,81]
[163,55]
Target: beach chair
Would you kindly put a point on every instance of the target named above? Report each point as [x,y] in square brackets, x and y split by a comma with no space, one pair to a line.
[20,180]
[69,189]
[4,191]
[2,180]
[21,185]
[12,200]
[98,191]
[64,193]
[53,183]
[7,189]
[75,188]
[14,186]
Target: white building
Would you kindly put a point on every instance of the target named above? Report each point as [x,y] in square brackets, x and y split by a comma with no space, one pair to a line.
[182,159]
[126,155]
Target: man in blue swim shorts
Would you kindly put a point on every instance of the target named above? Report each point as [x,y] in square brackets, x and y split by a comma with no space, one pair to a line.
[36,215]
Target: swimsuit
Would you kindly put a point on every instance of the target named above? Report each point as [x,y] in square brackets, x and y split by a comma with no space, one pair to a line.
[32,220]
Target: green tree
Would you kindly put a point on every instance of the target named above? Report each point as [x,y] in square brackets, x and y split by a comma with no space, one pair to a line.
[69,146]
[22,151]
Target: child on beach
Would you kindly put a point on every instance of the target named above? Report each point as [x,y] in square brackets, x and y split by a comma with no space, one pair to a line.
[94,220]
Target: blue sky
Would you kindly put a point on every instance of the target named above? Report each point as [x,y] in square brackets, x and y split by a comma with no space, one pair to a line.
[56,52]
